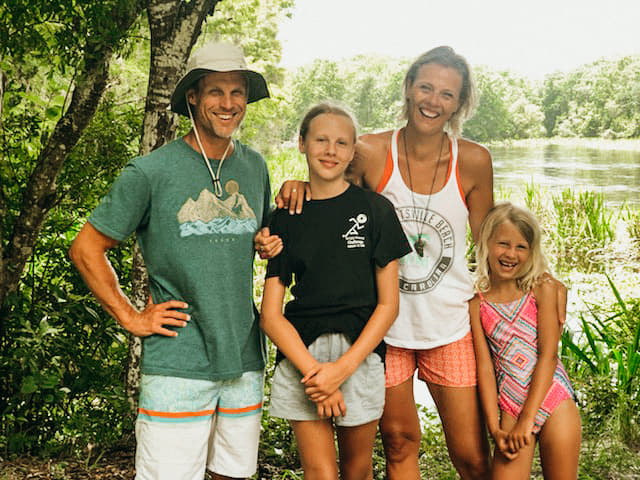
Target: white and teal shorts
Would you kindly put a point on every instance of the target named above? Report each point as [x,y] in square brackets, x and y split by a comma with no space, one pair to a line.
[186,425]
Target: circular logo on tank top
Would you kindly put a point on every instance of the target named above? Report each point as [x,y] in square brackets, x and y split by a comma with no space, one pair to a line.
[419,274]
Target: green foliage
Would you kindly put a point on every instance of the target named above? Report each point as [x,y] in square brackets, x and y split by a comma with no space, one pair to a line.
[601,99]
[370,86]
[604,360]
[578,228]
[286,164]
[582,228]
[62,357]
[62,365]
[58,35]
[507,108]
[434,458]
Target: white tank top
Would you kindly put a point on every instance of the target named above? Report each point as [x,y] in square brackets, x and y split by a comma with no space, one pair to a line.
[434,288]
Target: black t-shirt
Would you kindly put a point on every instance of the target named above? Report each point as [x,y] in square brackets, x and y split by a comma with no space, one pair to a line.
[332,250]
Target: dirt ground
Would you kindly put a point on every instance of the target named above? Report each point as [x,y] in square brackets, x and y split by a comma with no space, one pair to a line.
[113,465]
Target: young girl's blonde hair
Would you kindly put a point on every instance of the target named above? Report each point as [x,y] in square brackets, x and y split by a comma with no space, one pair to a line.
[535,267]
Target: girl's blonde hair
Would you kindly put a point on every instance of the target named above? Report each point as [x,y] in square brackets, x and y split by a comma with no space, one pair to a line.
[535,267]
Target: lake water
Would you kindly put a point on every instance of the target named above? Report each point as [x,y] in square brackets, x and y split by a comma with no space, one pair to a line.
[615,173]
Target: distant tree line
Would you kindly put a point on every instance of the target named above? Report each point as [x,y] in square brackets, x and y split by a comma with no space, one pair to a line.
[601,99]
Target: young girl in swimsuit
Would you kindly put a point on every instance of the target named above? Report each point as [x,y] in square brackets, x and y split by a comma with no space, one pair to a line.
[342,251]
[525,393]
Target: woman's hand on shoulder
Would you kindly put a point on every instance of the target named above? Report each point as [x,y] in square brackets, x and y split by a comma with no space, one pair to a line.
[369,160]
[549,285]
[292,195]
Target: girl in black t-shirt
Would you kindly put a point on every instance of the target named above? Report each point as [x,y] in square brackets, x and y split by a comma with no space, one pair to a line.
[342,251]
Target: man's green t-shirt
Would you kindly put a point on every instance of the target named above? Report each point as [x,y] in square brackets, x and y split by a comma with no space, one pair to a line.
[197,248]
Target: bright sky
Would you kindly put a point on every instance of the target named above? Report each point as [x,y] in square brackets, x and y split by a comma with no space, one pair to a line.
[532,38]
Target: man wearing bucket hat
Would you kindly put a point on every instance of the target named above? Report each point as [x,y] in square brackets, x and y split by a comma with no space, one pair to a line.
[195,205]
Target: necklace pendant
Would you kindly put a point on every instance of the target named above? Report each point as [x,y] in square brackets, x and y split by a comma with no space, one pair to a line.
[419,245]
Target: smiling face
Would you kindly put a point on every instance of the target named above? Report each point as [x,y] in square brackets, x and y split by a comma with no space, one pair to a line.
[219,103]
[329,145]
[433,97]
[508,253]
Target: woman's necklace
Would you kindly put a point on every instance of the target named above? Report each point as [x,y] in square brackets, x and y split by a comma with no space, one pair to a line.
[419,244]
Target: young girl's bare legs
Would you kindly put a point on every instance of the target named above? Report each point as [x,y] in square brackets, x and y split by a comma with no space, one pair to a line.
[356,448]
[317,449]
[519,467]
[400,430]
[463,425]
[560,443]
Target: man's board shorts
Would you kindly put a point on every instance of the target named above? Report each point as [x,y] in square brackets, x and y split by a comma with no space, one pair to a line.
[186,425]
[451,365]
[363,391]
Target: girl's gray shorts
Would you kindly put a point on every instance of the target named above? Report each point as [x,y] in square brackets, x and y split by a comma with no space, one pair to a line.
[363,391]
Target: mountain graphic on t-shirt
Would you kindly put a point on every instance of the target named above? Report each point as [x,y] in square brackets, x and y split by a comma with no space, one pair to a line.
[208,214]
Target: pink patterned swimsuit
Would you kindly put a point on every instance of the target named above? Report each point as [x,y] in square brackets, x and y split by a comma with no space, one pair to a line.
[512,332]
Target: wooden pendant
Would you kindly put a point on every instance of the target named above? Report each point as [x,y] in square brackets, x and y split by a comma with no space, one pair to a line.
[419,245]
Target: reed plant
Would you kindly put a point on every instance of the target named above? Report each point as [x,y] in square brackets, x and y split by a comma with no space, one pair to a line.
[631,218]
[604,362]
[580,228]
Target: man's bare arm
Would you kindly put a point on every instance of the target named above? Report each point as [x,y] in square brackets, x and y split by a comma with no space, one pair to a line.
[88,253]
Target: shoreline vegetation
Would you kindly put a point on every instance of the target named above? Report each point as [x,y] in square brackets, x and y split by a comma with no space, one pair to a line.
[623,144]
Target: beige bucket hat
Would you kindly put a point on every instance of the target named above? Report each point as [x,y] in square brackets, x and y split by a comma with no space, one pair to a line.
[217,57]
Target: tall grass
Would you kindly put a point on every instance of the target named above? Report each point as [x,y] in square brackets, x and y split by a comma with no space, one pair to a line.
[578,227]
[583,228]
[604,360]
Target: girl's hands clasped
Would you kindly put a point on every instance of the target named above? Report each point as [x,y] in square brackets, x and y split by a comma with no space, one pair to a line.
[521,434]
[502,443]
[322,380]
[332,406]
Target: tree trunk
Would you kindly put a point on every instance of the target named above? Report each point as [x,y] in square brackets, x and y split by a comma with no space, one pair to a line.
[40,194]
[3,215]
[175,25]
